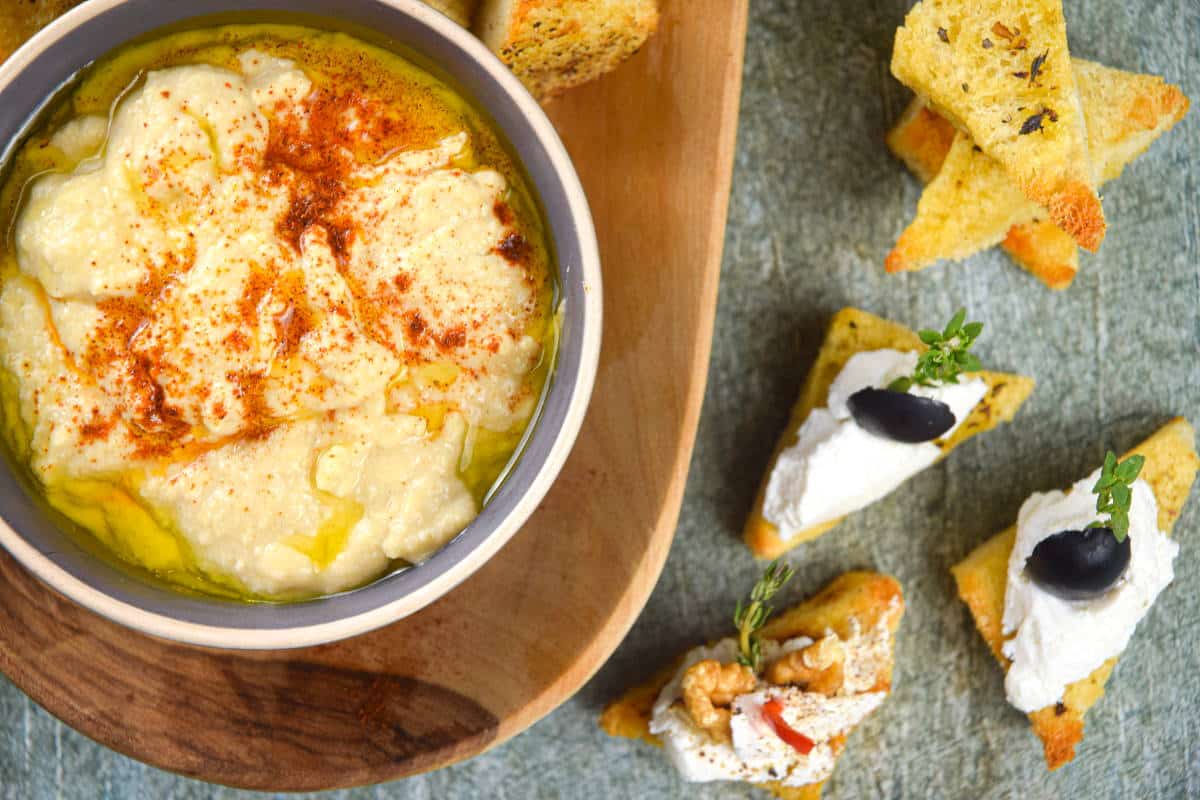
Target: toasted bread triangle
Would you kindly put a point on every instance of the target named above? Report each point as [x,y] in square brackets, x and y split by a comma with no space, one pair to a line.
[946,229]
[852,331]
[1125,113]
[921,138]
[970,205]
[1001,72]
[554,45]
[1170,469]
[867,597]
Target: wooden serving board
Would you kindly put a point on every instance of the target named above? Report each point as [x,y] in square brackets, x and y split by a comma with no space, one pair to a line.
[653,143]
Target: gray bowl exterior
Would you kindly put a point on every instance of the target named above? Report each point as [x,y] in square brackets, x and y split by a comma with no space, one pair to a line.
[103,33]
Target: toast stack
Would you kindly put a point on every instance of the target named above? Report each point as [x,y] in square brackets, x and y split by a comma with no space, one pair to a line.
[1012,135]
[1000,71]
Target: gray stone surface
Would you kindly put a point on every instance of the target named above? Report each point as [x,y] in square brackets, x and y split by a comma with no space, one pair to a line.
[817,202]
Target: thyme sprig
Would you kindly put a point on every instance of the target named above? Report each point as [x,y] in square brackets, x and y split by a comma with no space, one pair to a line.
[947,356]
[751,616]
[1114,493]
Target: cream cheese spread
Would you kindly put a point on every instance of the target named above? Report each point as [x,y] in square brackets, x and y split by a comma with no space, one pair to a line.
[1055,642]
[836,466]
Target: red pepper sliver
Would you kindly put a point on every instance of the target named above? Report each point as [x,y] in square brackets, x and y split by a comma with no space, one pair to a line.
[772,711]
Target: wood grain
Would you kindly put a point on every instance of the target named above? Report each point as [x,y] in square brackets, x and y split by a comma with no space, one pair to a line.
[653,143]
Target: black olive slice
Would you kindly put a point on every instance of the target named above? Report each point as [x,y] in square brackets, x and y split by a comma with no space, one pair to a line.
[1078,565]
[900,416]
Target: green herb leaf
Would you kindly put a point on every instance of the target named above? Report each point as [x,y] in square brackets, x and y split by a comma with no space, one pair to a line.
[955,324]
[1129,469]
[1110,464]
[752,615]
[1114,494]
[947,356]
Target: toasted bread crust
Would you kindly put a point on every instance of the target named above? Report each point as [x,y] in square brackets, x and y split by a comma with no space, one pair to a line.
[867,597]
[921,138]
[553,45]
[853,331]
[1044,250]
[1074,207]
[981,578]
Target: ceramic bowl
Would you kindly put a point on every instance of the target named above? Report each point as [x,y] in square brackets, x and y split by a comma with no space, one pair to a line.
[48,61]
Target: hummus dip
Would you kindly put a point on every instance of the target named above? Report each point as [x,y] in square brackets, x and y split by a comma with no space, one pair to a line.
[275,320]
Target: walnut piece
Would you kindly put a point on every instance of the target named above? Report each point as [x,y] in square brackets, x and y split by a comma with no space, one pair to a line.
[709,687]
[816,668]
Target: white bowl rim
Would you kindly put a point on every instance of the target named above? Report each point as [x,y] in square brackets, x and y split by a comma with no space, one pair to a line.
[233,637]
